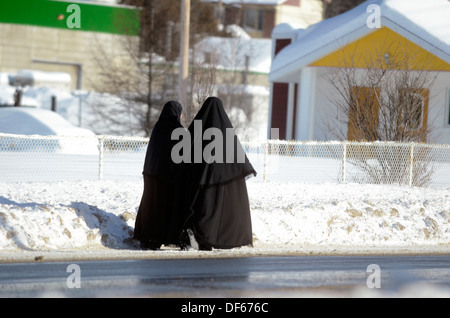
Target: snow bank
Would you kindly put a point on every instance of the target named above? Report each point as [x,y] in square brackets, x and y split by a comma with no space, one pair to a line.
[349,214]
[92,215]
[4,79]
[6,94]
[41,122]
[36,121]
[107,114]
[89,114]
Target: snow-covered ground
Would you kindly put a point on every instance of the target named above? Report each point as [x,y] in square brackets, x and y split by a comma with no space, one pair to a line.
[91,219]
[95,219]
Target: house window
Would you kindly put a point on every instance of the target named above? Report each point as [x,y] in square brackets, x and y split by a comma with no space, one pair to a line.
[413,116]
[254,19]
[414,108]
[210,58]
[408,111]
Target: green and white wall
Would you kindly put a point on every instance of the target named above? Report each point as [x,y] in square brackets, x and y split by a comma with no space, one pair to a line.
[59,35]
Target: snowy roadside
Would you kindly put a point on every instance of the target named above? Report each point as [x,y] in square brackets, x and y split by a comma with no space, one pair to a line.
[102,253]
[89,220]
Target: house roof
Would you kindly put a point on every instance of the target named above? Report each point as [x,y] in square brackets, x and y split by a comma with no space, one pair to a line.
[424,23]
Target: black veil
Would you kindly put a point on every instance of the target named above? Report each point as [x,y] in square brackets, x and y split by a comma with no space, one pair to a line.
[235,163]
[158,161]
[215,201]
[156,221]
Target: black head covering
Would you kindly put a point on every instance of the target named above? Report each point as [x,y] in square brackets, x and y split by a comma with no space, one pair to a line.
[212,115]
[158,161]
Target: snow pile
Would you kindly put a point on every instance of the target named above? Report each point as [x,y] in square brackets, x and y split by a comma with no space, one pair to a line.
[4,78]
[35,121]
[102,113]
[67,215]
[108,114]
[97,215]
[349,214]
[6,94]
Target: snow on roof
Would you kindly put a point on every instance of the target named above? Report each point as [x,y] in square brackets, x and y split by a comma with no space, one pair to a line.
[41,76]
[425,23]
[237,32]
[229,53]
[36,121]
[287,30]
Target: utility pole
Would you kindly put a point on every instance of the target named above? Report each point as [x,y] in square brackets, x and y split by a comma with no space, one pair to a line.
[184,51]
[219,12]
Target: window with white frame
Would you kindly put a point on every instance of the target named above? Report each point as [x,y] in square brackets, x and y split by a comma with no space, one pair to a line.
[254,19]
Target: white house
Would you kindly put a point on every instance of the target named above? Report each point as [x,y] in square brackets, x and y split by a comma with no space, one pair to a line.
[301,94]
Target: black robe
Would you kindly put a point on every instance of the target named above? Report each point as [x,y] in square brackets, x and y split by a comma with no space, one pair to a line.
[156,223]
[217,205]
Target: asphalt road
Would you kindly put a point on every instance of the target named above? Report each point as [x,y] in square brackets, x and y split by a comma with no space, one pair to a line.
[290,276]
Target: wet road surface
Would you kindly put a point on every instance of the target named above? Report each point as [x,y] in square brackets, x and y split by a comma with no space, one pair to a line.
[290,276]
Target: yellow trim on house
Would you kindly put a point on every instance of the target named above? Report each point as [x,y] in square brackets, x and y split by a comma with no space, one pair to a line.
[381,46]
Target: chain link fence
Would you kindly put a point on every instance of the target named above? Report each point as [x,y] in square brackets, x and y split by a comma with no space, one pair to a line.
[409,164]
[56,158]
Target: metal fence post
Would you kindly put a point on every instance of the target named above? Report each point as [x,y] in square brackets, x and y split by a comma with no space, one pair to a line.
[344,160]
[411,163]
[100,157]
[266,152]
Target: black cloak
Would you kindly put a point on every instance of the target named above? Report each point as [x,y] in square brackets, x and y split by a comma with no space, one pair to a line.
[155,223]
[218,211]
[158,160]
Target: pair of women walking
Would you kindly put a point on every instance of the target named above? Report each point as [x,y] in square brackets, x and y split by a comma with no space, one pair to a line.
[199,202]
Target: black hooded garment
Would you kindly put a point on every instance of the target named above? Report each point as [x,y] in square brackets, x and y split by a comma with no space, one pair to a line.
[217,202]
[158,160]
[155,223]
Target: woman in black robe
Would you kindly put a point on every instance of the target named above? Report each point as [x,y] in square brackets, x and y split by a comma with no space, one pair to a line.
[218,212]
[155,223]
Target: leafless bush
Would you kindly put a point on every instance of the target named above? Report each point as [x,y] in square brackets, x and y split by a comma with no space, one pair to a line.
[387,100]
